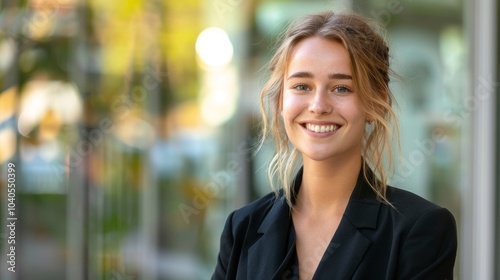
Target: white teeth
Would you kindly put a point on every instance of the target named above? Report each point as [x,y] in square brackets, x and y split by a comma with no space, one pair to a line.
[321,128]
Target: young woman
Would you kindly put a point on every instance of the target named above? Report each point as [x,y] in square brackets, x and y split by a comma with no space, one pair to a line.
[329,106]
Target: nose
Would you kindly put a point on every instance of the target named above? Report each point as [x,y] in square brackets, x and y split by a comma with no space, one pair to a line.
[321,103]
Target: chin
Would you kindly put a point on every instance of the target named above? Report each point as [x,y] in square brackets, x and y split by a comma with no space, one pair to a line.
[318,156]
[322,155]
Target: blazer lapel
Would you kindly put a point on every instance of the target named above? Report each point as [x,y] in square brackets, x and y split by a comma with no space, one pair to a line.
[348,245]
[345,251]
[267,254]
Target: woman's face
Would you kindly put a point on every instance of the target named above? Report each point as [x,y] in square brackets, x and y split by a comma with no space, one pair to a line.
[321,112]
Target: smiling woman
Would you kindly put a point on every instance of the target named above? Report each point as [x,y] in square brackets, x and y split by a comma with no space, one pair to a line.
[319,95]
[330,111]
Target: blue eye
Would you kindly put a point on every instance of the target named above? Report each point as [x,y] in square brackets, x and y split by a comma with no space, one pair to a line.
[341,89]
[301,87]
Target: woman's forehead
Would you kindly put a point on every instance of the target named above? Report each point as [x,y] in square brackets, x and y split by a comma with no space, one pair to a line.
[317,55]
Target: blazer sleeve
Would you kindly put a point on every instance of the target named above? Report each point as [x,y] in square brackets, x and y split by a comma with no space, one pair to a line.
[226,246]
[430,248]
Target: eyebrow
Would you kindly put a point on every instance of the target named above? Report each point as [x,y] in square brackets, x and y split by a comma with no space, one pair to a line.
[335,76]
[339,76]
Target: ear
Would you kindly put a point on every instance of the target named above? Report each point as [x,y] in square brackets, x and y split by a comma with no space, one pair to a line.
[369,119]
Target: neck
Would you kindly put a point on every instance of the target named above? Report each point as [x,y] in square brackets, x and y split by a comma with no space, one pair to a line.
[327,185]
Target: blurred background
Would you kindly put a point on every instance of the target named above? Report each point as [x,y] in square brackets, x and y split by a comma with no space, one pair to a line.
[132,126]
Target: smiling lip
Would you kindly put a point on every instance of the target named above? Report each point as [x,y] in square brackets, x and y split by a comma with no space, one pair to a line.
[321,128]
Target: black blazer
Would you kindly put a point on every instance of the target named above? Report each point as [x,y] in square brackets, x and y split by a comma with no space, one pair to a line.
[414,240]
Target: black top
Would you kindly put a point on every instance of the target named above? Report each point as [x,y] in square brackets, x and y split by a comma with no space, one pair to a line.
[290,265]
[415,239]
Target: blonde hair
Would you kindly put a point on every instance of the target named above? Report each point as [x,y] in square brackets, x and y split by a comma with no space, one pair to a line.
[369,55]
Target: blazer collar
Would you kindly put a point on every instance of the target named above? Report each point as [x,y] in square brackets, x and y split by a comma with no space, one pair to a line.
[363,206]
[362,209]
[349,244]
[268,254]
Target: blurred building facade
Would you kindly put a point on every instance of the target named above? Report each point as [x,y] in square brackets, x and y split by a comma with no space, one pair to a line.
[133,126]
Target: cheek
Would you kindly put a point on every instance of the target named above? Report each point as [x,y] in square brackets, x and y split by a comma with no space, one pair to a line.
[359,118]
[292,107]
[354,116]
[354,111]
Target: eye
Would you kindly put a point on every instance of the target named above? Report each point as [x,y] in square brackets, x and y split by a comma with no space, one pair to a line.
[301,87]
[341,89]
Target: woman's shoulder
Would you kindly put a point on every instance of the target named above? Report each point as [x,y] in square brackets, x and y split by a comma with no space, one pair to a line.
[257,210]
[410,206]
